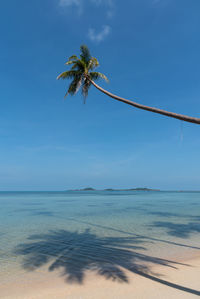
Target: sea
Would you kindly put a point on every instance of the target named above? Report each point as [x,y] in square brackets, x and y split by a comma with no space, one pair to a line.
[101,231]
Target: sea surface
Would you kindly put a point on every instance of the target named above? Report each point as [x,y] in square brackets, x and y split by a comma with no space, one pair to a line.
[101,231]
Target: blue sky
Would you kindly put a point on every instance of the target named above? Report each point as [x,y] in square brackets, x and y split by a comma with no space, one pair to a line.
[149,49]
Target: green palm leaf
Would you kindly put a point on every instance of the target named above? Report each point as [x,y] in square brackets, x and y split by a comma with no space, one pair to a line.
[73,57]
[97,75]
[80,72]
[74,86]
[93,63]
[85,88]
[68,75]
[85,53]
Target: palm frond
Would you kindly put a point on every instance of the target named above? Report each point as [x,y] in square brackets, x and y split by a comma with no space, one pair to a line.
[85,89]
[79,65]
[93,63]
[85,54]
[97,75]
[81,72]
[79,83]
[68,75]
[72,59]
[70,62]
[74,86]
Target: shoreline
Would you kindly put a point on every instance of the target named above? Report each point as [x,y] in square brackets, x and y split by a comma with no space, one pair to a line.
[180,281]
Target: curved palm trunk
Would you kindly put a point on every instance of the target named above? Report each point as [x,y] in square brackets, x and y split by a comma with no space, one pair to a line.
[152,109]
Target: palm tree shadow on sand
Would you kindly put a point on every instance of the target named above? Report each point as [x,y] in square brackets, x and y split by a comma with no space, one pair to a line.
[77,252]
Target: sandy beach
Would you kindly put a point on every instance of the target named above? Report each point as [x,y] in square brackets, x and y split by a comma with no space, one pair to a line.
[111,248]
[161,282]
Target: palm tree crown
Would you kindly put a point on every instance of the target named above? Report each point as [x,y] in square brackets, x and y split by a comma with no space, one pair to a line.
[83,75]
[81,72]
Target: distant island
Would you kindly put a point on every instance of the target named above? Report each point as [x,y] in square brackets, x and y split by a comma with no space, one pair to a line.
[111,189]
[132,189]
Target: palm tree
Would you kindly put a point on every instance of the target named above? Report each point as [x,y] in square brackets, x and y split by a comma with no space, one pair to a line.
[81,72]
[83,75]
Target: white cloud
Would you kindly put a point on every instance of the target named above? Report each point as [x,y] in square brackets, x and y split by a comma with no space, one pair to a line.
[68,3]
[111,8]
[109,4]
[79,4]
[98,37]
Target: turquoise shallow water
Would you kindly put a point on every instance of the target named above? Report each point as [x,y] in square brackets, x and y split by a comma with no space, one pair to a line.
[101,231]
